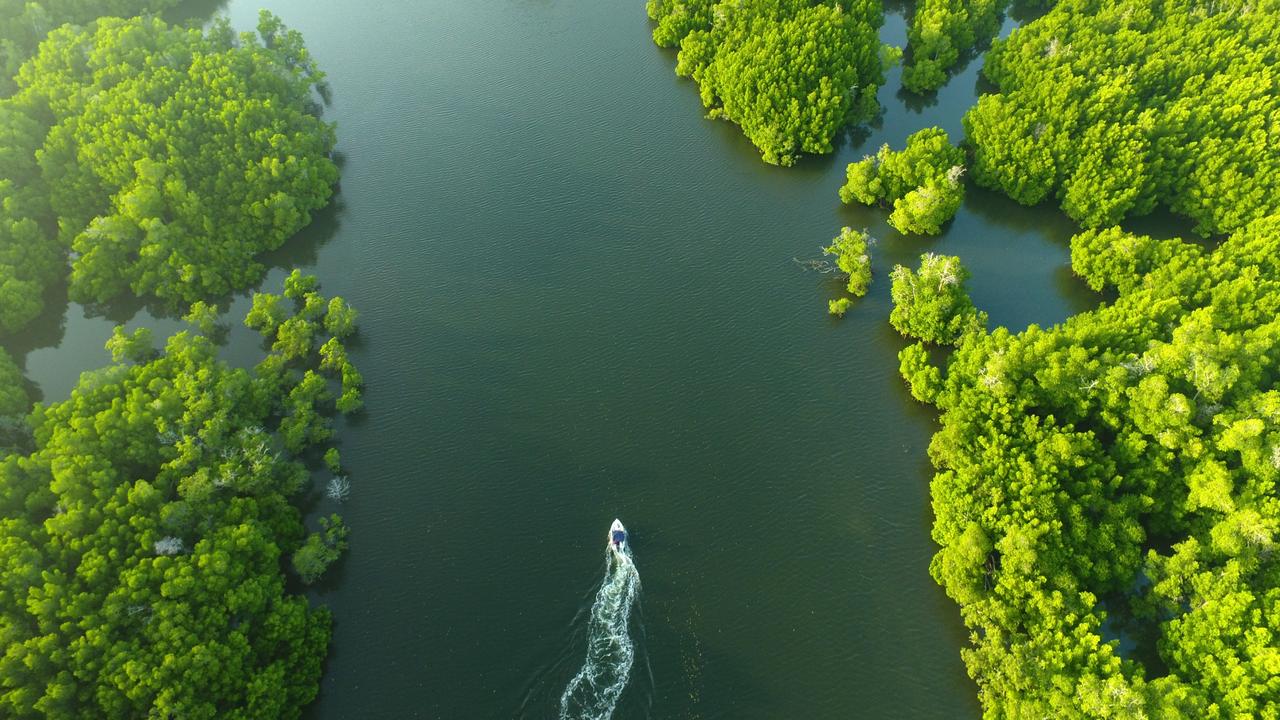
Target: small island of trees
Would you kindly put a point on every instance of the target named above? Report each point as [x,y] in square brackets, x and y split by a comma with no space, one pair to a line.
[943,31]
[923,182]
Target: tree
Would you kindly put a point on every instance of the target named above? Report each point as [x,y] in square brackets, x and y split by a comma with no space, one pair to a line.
[922,182]
[298,285]
[333,459]
[839,306]
[931,304]
[321,549]
[136,346]
[24,24]
[142,534]
[204,317]
[166,159]
[340,318]
[1128,453]
[853,258]
[267,314]
[1117,108]
[940,32]
[924,210]
[790,73]
[922,376]
[13,396]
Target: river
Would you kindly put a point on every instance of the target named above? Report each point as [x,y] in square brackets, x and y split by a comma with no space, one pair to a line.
[578,301]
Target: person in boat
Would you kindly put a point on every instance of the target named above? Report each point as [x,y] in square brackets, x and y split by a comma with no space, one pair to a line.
[618,537]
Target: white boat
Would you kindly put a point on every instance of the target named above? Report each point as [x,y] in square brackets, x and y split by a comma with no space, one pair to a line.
[618,539]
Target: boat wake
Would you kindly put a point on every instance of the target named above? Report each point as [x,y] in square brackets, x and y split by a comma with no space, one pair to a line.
[593,693]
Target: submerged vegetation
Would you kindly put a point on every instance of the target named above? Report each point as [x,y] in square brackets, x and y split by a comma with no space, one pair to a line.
[144,536]
[161,160]
[790,73]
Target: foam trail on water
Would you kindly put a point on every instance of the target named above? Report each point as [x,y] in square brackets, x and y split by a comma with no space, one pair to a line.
[593,693]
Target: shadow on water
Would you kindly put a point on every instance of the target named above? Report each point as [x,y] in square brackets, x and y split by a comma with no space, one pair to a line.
[301,250]
[194,13]
[997,209]
[46,330]
[1025,11]
[1163,224]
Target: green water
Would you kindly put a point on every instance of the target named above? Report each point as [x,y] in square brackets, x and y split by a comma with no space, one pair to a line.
[579,302]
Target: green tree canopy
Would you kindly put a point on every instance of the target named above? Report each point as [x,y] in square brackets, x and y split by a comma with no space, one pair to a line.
[24,24]
[931,304]
[790,73]
[853,258]
[939,34]
[1116,108]
[1120,466]
[165,159]
[144,538]
[922,182]
[13,394]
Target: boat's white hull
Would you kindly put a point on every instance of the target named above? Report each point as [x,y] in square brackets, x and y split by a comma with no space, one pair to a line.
[619,548]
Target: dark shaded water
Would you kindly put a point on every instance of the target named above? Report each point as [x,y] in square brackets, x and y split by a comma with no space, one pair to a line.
[579,302]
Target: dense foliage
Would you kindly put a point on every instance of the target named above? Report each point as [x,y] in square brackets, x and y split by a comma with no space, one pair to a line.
[144,537]
[941,31]
[13,396]
[1116,108]
[931,304]
[1119,471]
[15,433]
[922,182]
[853,262]
[791,73]
[165,159]
[24,24]
[853,258]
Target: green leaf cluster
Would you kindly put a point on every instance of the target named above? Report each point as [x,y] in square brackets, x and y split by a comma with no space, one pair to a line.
[1115,108]
[13,394]
[166,160]
[922,182]
[790,73]
[853,257]
[143,539]
[931,304]
[321,549]
[940,32]
[1120,471]
[24,24]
